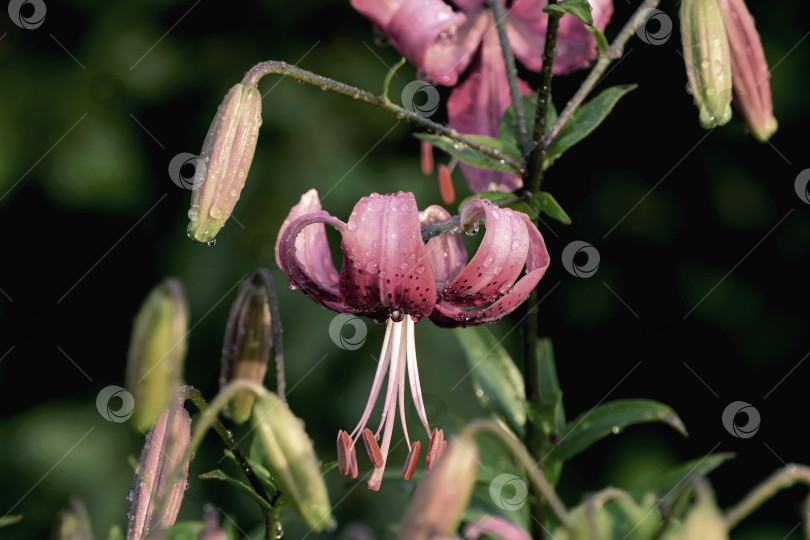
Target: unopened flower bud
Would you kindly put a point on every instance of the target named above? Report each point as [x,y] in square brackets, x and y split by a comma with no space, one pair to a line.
[157,349]
[157,489]
[704,520]
[73,523]
[248,340]
[749,70]
[439,501]
[224,162]
[291,460]
[708,61]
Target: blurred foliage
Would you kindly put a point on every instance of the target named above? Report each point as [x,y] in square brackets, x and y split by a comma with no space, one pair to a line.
[100,98]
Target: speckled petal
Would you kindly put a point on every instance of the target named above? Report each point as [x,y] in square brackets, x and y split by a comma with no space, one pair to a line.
[446,253]
[537,261]
[385,265]
[305,258]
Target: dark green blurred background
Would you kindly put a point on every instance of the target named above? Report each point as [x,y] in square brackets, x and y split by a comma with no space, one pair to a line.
[97,101]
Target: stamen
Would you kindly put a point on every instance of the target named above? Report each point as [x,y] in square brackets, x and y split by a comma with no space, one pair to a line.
[382,367]
[372,448]
[411,460]
[346,455]
[446,185]
[390,393]
[435,448]
[427,158]
[413,374]
[401,390]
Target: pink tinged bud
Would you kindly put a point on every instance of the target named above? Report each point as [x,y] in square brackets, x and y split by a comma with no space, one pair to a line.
[291,460]
[248,340]
[157,350]
[749,70]
[439,501]
[73,523]
[708,60]
[224,162]
[154,504]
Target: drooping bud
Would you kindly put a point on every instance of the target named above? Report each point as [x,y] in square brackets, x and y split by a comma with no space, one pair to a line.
[73,523]
[157,349]
[224,161]
[252,330]
[291,459]
[749,70]
[438,503]
[155,497]
[708,61]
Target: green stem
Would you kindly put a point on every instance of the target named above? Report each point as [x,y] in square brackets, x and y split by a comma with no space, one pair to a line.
[781,479]
[538,480]
[265,68]
[197,398]
[499,11]
[271,520]
[538,154]
[613,52]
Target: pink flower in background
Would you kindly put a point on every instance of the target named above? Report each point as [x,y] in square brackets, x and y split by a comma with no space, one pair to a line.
[444,42]
[391,275]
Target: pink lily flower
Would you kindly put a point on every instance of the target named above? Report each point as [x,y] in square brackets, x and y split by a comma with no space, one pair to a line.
[391,275]
[443,42]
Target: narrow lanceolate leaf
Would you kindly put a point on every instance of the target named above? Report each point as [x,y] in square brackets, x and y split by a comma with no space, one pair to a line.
[496,379]
[580,9]
[157,350]
[218,474]
[290,458]
[670,485]
[586,119]
[252,331]
[10,520]
[610,418]
[544,202]
[474,157]
[708,60]
[549,409]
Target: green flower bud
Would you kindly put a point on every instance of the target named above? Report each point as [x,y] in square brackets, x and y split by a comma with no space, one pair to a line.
[704,521]
[224,162]
[291,460]
[154,502]
[708,60]
[73,523]
[249,337]
[157,349]
[439,501]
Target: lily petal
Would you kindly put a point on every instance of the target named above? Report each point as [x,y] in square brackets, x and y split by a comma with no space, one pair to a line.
[385,265]
[537,261]
[477,105]
[304,254]
[499,260]
[450,54]
[446,253]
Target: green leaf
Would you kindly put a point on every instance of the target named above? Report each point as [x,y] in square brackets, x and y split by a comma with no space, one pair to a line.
[611,417]
[218,474]
[508,131]
[496,379]
[115,533]
[586,119]
[10,520]
[545,203]
[670,485]
[580,9]
[550,414]
[185,530]
[601,40]
[474,157]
